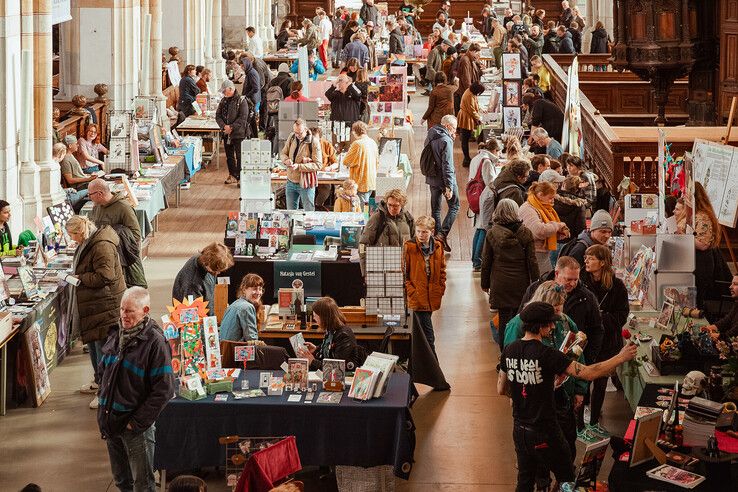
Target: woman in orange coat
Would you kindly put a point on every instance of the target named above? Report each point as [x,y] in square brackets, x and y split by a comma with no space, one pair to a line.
[469,118]
[425,275]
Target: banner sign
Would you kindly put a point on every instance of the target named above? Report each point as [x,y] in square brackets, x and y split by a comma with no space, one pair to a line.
[61,11]
[298,275]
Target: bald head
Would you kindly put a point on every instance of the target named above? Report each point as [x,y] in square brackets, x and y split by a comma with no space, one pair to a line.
[99,191]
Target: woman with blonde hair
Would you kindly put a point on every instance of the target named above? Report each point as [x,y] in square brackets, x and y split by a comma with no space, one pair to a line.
[538,215]
[612,296]
[243,317]
[95,302]
[198,275]
[569,395]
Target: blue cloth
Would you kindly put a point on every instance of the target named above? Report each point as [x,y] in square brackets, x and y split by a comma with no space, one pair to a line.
[91,169]
[453,208]
[356,49]
[325,434]
[318,69]
[239,322]
[554,149]
[132,460]
[297,196]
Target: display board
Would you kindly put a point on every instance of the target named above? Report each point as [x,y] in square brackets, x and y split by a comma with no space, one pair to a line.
[716,167]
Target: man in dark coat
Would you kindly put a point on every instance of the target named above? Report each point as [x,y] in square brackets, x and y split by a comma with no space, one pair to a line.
[137,383]
[546,114]
[283,80]
[443,185]
[396,40]
[576,37]
[232,117]
[188,91]
[600,231]
[567,15]
[727,326]
[566,44]
[345,100]
[509,183]
[581,304]
[369,12]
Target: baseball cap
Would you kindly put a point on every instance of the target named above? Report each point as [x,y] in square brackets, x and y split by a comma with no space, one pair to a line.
[601,220]
[550,176]
[535,313]
[227,84]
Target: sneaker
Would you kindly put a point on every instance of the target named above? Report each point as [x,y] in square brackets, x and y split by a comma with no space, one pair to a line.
[230,180]
[611,388]
[89,389]
[94,404]
[598,429]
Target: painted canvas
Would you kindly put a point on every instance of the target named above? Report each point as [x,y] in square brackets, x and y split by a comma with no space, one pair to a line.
[39,371]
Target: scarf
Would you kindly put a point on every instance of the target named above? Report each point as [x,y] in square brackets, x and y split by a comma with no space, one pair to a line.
[353,200]
[128,335]
[427,252]
[547,214]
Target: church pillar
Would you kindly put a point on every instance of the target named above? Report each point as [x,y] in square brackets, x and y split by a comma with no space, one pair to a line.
[217,45]
[193,28]
[11,118]
[235,22]
[155,54]
[266,15]
[49,175]
[29,172]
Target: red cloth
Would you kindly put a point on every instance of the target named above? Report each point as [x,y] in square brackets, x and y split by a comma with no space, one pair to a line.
[726,443]
[268,466]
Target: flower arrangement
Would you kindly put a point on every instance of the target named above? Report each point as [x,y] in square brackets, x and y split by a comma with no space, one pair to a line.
[728,353]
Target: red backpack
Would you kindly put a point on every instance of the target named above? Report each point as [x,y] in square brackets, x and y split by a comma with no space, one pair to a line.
[475,187]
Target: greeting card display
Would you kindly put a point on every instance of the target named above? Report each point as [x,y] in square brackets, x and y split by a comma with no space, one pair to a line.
[511,90]
[212,342]
[186,320]
[173,338]
[334,374]
[275,228]
[363,385]
[297,374]
[512,117]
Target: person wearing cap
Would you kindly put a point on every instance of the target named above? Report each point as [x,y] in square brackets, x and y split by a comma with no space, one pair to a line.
[551,176]
[283,80]
[232,117]
[600,232]
[527,372]
[542,139]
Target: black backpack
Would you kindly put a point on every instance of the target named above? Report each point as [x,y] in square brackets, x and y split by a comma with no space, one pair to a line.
[569,246]
[428,164]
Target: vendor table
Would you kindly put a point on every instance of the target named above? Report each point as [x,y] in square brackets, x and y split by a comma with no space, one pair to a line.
[206,127]
[353,433]
[339,279]
[623,478]
[405,132]
[4,369]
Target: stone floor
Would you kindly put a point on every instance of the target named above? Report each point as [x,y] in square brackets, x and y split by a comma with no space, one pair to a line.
[463,437]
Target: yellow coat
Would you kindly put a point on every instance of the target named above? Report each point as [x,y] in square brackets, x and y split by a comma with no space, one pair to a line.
[362,160]
[344,204]
[468,117]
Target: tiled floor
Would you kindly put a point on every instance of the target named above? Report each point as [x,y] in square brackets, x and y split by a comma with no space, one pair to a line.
[463,437]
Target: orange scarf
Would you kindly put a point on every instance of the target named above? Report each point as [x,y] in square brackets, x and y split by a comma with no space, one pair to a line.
[547,214]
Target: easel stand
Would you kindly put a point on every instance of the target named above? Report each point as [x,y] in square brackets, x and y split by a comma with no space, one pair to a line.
[725,141]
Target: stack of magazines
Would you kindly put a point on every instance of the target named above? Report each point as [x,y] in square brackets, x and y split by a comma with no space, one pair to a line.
[699,421]
[371,379]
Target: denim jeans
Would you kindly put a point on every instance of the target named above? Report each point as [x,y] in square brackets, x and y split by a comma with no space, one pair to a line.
[95,357]
[545,446]
[132,460]
[477,247]
[91,169]
[453,208]
[297,196]
[426,324]
[77,198]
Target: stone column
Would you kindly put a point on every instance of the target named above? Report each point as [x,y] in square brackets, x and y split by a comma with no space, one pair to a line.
[50,176]
[11,117]
[597,10]
[29,172]
[268,37]
[155,47]
[193,20]
[217,45]
[208,35]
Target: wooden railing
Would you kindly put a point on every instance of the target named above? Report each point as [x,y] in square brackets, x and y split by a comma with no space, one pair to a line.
[618,151]
[75,124]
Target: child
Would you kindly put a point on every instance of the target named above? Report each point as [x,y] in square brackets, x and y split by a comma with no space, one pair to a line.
[330,163]
[425,276]
[187,483]
[347,198]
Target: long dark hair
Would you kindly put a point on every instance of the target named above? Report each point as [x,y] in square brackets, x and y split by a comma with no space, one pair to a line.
[603,254]
[331,318]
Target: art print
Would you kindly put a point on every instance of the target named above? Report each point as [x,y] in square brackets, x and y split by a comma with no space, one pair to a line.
[117,153]
[334,374]
[511,93]
[264,378]
[189,315]
[38,370]
[512,117]
[212,342]
[118,125]
[297,374]
[389,153]
[243,353]
[511,66]
[666,315]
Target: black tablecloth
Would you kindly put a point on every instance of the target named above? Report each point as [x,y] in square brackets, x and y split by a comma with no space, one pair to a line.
[340,279]
[623,478]
[372,433]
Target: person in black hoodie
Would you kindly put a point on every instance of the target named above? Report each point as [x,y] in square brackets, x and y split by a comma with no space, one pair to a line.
[232,117]
[612,296]
[576,37]
[251,89]
[136,384]
[345,100]
[600,39]
[581,304]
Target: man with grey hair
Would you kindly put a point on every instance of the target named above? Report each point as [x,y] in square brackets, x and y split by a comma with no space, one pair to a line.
[542,139]
[137,383]
[443,183]
[115,210]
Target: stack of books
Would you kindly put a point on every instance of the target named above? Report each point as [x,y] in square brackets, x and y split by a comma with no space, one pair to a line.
[699,421]
[371,379]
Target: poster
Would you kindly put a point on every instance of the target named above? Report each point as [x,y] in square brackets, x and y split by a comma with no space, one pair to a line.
[61,11]
[511,66]
[714,167]
[571,136]
[298,275]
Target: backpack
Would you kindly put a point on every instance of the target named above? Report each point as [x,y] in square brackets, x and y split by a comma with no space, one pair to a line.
[273,97]
[495,195]
[429,166]
[475,187]
[568,247]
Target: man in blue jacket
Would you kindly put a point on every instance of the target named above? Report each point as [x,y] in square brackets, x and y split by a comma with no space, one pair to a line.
[137,382]
[443,184]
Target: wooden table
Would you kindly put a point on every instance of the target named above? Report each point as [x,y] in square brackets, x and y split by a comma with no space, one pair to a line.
[202,126]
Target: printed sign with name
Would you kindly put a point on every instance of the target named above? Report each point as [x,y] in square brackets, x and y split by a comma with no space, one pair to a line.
[297,275]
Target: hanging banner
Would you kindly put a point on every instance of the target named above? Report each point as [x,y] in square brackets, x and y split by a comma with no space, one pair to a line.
[572,139]
[61,11]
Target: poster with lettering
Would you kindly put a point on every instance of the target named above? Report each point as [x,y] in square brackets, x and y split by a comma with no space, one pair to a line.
[298,275]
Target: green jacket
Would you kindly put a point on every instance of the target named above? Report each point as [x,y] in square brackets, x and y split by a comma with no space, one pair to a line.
[514,331]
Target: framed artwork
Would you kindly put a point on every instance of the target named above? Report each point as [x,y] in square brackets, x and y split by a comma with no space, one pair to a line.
[666,315]
[647,427]
[511,92]
[39,371]
[117,154]
[143,108]
[511,66]
[60,213]
[118,124]
[389,153]
[512,117]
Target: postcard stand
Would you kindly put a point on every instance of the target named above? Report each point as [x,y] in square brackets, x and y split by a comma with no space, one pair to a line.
[256,191]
